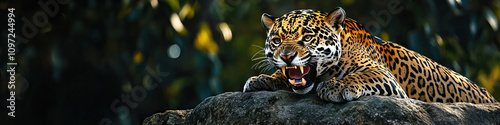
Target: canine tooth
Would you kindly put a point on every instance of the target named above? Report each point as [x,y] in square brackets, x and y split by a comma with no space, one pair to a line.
[295,67]
[292,81]
[303,82]
[301,70]
[283,70]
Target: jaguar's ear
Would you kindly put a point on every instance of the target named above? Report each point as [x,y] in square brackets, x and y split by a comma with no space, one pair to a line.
[267,21]
[336,17]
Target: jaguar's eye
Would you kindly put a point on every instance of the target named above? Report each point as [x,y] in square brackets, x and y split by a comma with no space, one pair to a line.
[307,38]
[276,41]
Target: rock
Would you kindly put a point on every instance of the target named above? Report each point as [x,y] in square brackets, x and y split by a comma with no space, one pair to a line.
[168,117]
[283,107]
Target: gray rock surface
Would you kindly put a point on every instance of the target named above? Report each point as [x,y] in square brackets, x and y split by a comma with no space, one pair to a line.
[282,107]
[168,117]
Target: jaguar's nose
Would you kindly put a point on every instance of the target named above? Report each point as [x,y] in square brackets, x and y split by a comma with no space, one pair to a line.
[288,57]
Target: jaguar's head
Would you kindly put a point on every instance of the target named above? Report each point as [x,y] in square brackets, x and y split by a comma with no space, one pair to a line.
[304,44]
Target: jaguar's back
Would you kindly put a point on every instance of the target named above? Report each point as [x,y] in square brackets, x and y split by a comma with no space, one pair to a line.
[420,77]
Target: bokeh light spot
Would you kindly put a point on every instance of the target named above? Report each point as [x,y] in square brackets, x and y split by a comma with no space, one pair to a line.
[204,41]
[176,23]
[439,40]
[492,20]
[384,36]
[154,3]
[186,11]
[138,57]
[226,31]
[174,51]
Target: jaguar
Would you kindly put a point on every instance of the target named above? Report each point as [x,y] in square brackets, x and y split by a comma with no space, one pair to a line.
[336,58]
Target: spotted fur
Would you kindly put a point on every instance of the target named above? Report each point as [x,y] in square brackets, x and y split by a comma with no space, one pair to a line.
[349,63]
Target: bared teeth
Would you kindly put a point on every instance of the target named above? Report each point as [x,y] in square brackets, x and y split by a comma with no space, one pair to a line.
[303,81]
[294,83]
[289,67]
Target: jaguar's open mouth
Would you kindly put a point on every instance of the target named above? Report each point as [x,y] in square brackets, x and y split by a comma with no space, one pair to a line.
[300,77]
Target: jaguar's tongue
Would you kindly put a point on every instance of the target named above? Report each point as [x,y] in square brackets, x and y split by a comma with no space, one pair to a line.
[298,73]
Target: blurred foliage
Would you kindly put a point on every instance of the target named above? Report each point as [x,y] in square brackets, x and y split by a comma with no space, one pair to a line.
[94,52]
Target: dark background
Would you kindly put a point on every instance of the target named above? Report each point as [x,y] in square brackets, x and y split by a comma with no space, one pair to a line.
[114,61]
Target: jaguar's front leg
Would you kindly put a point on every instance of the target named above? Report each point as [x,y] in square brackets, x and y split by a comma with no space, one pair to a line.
[369,81]
[331,90]
[342,90]
[276,81]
